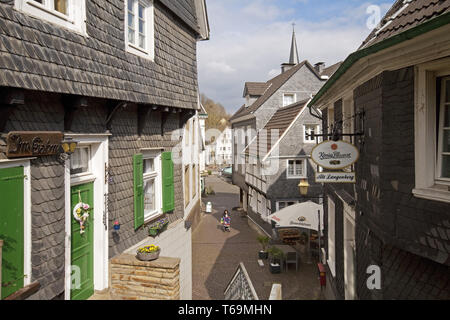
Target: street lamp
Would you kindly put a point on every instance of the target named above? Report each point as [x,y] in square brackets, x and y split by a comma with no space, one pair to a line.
[303,187]
[68,145]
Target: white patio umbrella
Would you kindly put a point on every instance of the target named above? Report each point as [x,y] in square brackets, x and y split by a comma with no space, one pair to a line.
[301,215]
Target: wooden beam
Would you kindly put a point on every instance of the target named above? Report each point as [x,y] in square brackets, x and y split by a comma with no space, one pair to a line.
[25,292]
[142,114]
[71,105]
[185,115]
[164,117]
[11,98]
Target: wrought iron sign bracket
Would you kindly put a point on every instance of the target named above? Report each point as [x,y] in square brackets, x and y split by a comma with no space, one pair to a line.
[113,108]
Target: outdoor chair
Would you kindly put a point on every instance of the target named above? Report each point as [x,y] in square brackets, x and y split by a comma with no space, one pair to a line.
[291,257]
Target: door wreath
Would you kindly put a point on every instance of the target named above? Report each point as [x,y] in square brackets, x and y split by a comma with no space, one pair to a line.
[81,213]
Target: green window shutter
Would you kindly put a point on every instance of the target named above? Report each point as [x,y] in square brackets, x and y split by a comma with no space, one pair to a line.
[11,229]
[138,174]
[168,191]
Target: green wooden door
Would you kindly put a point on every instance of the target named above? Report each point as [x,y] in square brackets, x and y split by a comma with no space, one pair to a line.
[82,245]
[11,229]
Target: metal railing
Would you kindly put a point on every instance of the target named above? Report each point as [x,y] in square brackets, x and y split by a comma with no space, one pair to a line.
[240,286]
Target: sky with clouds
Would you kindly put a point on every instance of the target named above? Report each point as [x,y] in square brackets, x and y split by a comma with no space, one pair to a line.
[251,38]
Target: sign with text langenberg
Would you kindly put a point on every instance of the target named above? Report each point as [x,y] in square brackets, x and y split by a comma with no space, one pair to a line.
[335,155]
[21,144]
[335,177]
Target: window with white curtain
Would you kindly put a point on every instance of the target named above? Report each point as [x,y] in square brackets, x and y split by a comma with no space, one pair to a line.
[139,35]
[288,99]
[432,131]
[80,160]
[152,185]
[70,14]
[296,169]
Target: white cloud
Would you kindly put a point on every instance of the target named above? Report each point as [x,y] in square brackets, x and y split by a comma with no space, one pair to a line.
[220,66]
[251,44]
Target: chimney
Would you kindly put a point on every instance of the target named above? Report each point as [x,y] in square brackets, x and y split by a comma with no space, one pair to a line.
[319,66]
[286,66]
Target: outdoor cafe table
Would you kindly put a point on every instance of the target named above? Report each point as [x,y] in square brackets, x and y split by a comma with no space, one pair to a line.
[288,249]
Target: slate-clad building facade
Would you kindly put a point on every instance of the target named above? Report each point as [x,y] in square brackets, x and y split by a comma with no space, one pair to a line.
[120,79]
[273,108]
[388,235]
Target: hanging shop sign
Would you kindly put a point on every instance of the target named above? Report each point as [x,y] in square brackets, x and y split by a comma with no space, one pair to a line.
[335,177]
[335,155]
[33,143]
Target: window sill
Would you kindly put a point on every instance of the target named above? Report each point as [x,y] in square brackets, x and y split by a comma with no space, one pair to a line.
[152,217]
[75,21]
[296,177]
[130,48]
[433,193]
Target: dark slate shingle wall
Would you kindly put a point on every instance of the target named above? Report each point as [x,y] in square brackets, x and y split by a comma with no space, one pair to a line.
[123,144]
[38,55]
[45,112]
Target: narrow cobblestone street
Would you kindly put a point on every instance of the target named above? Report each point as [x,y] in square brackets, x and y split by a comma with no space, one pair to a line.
[216,254]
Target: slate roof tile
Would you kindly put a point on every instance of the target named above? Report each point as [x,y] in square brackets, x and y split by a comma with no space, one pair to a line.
[414,14]
[103,54]
[274,129]
[272,86]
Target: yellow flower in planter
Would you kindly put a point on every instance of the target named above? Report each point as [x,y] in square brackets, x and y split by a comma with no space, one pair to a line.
[149,249]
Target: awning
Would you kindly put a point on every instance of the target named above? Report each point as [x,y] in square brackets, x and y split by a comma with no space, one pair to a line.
[301,215]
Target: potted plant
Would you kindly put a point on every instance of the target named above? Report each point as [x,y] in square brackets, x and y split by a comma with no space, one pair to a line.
[264,241]
[158,227]
[148,253]
[276,256]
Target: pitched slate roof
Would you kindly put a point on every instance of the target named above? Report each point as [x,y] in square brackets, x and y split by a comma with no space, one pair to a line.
[403,16]
[403,21]
[38,55]
[255,88]
[277,125]
[329,71]
[238,113]
[272,86]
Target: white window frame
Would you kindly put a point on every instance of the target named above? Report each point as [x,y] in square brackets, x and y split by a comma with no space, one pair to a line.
[156,176]
[305,131]
[331,261]
[277,205]
[149,51]
[294,98]
[441,129]
[428,184]
[304,169]
[75,20]
[89,169]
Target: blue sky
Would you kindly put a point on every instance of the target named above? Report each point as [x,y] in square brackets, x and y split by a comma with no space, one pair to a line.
[251,38]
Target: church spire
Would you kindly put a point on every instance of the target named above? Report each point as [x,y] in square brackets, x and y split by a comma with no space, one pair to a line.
[293,59]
